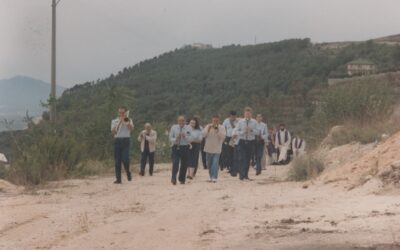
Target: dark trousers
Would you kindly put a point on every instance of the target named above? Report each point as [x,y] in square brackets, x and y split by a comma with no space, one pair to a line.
[203,154]
[121,155]
[227,154]
[259,152]
[146,154]
[236,161]
[246,149]
[179,162]
[194,153]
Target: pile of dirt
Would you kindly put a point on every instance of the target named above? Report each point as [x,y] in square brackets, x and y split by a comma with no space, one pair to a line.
[379,162]
[392,175]
[8,188]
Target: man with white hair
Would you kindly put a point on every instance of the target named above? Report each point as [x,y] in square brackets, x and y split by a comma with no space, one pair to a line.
[147,139]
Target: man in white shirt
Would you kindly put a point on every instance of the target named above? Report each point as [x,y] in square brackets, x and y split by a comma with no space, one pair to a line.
[246,134]
[282,144]
[180,138]
[147,139]
[261,139]
[121,129]
[227,150]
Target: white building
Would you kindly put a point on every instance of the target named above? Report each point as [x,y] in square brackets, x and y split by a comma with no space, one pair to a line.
[201,46]
[361,67]
[3,158]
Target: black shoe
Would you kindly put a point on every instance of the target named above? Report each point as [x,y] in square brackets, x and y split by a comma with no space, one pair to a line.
[234,175]
[173,182]
[141,174]
[129,177]
[117,182]
[258,173]
[240,178]
[151,174]
[190,177]
[182,182]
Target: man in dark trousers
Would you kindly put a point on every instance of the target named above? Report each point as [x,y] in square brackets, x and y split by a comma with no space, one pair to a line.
[227,148]
[246,131]
[180,137]
[121,128]
[147,139]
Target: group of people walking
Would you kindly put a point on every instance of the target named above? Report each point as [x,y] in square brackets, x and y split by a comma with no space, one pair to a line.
[235,145]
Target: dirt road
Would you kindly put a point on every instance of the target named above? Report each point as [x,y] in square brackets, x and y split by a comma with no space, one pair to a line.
[150,213]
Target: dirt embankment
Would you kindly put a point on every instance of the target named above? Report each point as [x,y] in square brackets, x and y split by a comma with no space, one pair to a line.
[376,165]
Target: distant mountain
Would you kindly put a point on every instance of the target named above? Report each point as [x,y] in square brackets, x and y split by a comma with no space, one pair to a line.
[20,94]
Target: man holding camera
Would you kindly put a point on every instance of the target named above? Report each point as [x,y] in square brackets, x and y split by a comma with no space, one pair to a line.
[214,134]
[121,128]
[147,139]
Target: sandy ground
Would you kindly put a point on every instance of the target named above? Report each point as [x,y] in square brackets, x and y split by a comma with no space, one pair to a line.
[150,213]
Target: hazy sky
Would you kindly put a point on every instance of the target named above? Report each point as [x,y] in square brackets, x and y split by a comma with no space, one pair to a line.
[100,37]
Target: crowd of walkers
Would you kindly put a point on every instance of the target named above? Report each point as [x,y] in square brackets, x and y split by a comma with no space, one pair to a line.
[236,144]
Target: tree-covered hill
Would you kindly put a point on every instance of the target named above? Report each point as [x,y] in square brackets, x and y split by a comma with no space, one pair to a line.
[274,78]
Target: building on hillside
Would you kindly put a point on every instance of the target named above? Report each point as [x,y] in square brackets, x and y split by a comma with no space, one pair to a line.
[201,46]
[361,67]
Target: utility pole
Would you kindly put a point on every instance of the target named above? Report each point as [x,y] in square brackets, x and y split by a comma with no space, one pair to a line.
[53,94]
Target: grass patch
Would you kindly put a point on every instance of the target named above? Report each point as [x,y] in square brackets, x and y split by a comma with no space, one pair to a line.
[305,167]
[364,134]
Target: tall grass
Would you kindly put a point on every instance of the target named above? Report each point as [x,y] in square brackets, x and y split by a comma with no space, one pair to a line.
[305,167]
[363,107]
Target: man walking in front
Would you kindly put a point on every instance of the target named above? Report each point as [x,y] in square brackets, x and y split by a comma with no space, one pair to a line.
[180,137]
[147,139]
[246,130]
[121,128]
[214,134]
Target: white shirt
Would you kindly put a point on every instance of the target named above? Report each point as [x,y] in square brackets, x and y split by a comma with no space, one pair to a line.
[262,131]
[185,132]
[228,126]
[247,129]
[123,130]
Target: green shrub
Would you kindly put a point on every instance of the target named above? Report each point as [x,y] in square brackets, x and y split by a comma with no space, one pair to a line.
[305,167]
[362,107]
[360,102]
[3,171]
[52,157]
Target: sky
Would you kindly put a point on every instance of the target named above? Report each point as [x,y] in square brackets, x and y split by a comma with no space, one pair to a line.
[98,37]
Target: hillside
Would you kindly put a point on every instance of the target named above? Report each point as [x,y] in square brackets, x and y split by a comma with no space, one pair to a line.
[20,94]
[275,78]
